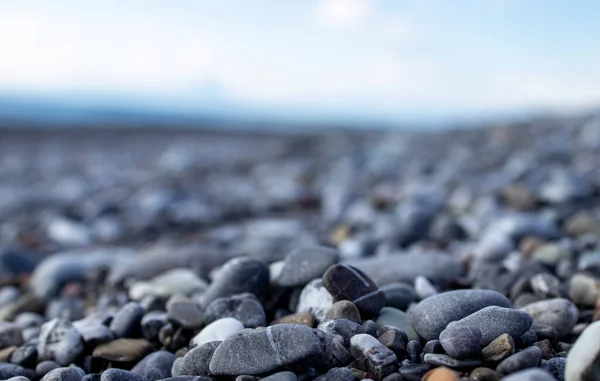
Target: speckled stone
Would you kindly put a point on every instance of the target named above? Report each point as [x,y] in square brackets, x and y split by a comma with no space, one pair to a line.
[461,342]
[527,358]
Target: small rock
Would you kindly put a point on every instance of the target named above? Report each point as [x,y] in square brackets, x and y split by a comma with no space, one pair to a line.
[546,285]
[337,374]
[246,309]
[315,299]
[175,281]
[556,367]
[306,263]
[499,349]
[155,366]
[10,334]
[71,373]
[281,376]
[461,342]
[123,350]
[44,367]
[398,295]
[126,322]
[432,315]
[535,374]
[25,355]
[396,341]
[561,314]
[414,351]
[197,360]
[381,361]
[185,311]
[441,374]
[484,374]
[583,290]
[445,360]
[8,370]
[218,330]
[399,319]
[583,360]
[546,349]
[344,309]
[348,283]
[115,374]
[300,318]
[59,341]
[414,371]
[527,358]
[423,288]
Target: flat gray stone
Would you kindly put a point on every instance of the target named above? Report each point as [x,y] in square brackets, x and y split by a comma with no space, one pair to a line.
[561,314]
[304,264]
[527,358]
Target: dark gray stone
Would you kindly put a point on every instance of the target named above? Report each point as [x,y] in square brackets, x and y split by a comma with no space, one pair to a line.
[186,312]
[59,341]
[398,295]
[151,324]
[561,314]
[281,376]
[527,358]
[44,367]
[461,342]
[344,309]
[432,315]
[115,374]
[379,359]
[8,370]
[349,283]
[71,373]
[556,367]
[126,322]
[237,276]
[261,351]
[337,374]
[493,321]
[155,366]
[26,356]
[245,308]
[197,360]
[10,334]
[341,327]
[304,264]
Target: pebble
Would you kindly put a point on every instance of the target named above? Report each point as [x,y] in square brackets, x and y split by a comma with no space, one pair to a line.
[59,341]
[304,264]
[186,312]
[123,350]
[535,374]
[8,370]
[152,323]
[261,351]
[349,283]
[441,374]
[218,330]
[414,350]
[414,371]
[115,374]
[583,290]
[197,360]
[461,342]
[527,358]
[398,295]
[174,281]
[44,367]
[484,374]
[423,288]
[155,366]
[561,314]
[445,360]
[246,309]
[493,321]
[556,367]
[583,360]
[344,309]
[381,361]
[281,376]
[432,315]
[10,334]
[71,373]
[315,299]
[25,355]
[499,349]
[237,276]
[93,334]
[399,319]
[126,322]
[300,318]
[337,374]
[395,340]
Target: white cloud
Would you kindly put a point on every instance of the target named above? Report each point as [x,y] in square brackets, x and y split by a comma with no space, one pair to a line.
[342,13]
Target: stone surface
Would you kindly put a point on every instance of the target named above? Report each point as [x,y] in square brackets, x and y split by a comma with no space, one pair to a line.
[175,281]
[461,342]
[60,342]
[535,374]
[186,312]
[381,361]
[561,314]
[115,374]
[304,264]
[218,330]
[399,319]
[10,334]
[315,299]
[349,283]
[123,350]
[398,295]
[583,360]
[126,322]
[246,309]
[432,315]
[155,366]
[499,349]
[447,361]
[64,374]
[527,358]
[197,360]
[344,309]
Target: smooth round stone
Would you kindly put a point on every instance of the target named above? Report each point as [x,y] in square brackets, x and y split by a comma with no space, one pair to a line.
[561,314]
[484,374]
[343,328]
[10,334]
[261,351]
[115,374]
[71,373]
[29,320]
[441,374]
[431,316]
[246,309]
[93,334]
[583,360]
[315,299]
[126,322]
[237,276]
[344,309]
[123,350]
[398,295]
[25,355]
[175,281]
[556,367]
[423,288]
[301,318]
[8,370]
[185,311]
[155,366]
[44,367]
[546,285]
[396,341]
[281,376]
[445,360]
[414,371]
[396,318]
[197,360]
[218,330]
[349,283]
[414,350]
[583,290]
[18,378]
[499,349]
[461,342]
[61,268]
[6,352]
[303,264]
[535,374]
[493,321]
[551,253]
[59,341]
[527,358]
[394,268]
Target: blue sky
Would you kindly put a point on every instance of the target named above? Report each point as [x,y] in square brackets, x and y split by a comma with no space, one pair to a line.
[327,58]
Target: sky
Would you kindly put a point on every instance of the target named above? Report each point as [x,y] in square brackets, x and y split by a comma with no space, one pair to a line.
[384,59]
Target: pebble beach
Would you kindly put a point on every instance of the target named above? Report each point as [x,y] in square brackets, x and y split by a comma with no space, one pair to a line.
[456,255]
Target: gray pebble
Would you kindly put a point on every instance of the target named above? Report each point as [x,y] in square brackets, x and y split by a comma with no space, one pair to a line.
[10,334]
[556,367]
[281,376]
[461,342]
[155,366]
[185,311]
[398,295]
[535,374]
[527,358]
[380,360]
[445,360]
[344,309]
[337,374]
[583,360]
[71,373]
[561,314]
[315,299]
[59,341]
[431,316]
[44,367]
[126,322]
[247,309]
[197,360]
[115,374]
[306,263]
